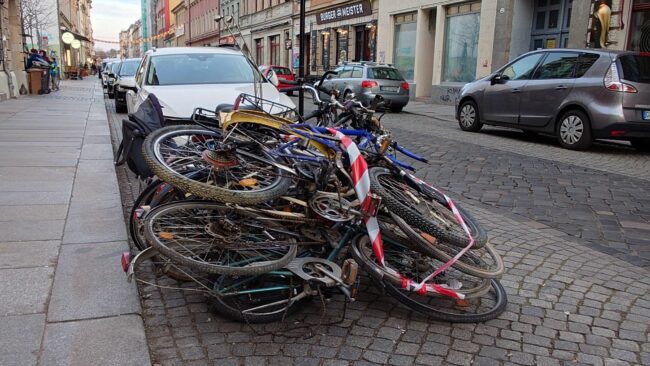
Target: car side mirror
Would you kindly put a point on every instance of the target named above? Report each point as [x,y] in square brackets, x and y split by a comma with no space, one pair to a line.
[272,77]
[499,79]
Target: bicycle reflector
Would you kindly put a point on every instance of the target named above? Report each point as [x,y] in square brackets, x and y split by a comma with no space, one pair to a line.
[125,258]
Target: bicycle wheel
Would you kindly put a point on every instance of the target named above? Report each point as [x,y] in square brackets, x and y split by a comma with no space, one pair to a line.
[474,310]
[403,262]
[256,299]
[213,238]
[155,194]
[235,171]
[421,207]
[484,262]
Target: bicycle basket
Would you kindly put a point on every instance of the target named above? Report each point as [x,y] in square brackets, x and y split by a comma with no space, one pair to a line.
[272,109]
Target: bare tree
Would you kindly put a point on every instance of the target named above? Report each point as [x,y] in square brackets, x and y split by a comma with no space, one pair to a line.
[37,17]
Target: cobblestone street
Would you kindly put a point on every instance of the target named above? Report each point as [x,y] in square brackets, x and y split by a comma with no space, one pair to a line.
[573,228]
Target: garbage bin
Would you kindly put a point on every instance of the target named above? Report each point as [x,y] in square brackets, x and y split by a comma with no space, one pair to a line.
[35,80]
[45,82]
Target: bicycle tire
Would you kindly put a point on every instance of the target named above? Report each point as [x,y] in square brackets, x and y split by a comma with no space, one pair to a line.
[205,190]
[235,307]
[445,252]
[145,198]
[500,305]
[203,266]
[426,222]
[376,271]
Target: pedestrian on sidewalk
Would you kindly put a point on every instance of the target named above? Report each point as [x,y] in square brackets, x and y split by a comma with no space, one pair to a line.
[54,74]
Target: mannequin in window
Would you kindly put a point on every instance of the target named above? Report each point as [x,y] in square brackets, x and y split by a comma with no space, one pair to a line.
[603,14]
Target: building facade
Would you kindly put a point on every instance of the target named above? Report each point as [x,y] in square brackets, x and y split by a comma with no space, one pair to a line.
[266,29]
[202,29]
[135,40]
[12,67]
[179,14]
[336,32]
[441,45]
[74,17]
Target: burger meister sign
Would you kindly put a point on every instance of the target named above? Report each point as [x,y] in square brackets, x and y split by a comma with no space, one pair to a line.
[343,12]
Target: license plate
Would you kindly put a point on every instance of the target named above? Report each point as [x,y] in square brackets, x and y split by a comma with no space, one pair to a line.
[645,115]
[389,88]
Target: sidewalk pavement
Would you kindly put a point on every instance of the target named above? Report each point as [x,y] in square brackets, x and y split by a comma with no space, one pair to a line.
[63,297]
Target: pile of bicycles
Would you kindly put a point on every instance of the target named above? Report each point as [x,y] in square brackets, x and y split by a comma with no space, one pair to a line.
[263,209]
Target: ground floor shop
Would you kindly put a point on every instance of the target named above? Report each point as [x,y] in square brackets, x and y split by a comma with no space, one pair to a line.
[441,45]
[345,32]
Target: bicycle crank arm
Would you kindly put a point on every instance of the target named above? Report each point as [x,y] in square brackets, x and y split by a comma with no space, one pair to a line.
[290,302]
[144,255]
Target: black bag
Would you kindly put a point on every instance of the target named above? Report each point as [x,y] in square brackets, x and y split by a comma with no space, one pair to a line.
[146,119]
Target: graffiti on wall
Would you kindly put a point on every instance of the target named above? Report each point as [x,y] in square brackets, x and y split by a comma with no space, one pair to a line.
[445,95]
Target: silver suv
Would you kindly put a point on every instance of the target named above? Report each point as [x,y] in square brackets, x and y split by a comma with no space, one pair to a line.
[577,95]
[368,79]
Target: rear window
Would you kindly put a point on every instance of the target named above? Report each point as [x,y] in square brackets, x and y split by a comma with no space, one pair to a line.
[636,68]
[384,73]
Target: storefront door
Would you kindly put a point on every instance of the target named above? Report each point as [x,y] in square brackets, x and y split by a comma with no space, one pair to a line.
[551,20]
[362,44]
[639,39]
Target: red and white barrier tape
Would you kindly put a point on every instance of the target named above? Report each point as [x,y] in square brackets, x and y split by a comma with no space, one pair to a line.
[361,182]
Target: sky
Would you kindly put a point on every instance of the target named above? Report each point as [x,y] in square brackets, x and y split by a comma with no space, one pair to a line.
[109,17]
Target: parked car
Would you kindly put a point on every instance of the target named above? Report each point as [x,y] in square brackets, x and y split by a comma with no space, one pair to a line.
[184,78]
[125,80]
[578,95]
[111,76]
[368,79]
[106,70]
[286,78]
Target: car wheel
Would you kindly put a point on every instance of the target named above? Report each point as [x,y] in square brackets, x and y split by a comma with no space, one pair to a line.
[396,109]
[574,130]
[641,144]
[468,118]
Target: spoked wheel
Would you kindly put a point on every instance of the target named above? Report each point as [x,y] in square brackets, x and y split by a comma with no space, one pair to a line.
[212,238]
[264,298]
[403,262]
[156,194]
[485,298]
[484,262]
[234,171]
[423,208]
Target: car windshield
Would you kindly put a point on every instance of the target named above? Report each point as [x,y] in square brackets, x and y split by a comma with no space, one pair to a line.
[129,68]
[115,66]
[384,73]
[199,68]
[636,68]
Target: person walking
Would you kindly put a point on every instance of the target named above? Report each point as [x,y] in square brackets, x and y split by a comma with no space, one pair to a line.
[54,74]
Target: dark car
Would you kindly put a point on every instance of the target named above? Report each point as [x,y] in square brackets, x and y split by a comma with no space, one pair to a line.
[368,79]
[578,95]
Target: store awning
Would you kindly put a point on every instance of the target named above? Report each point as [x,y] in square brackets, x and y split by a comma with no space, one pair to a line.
[77,35]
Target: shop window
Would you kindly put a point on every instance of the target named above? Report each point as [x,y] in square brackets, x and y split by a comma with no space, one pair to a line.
[639,39]
[404,44]
[461,44]
[259,50]
[275,50]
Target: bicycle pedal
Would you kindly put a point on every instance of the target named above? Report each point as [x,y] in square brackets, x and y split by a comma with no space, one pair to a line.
[350,271]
